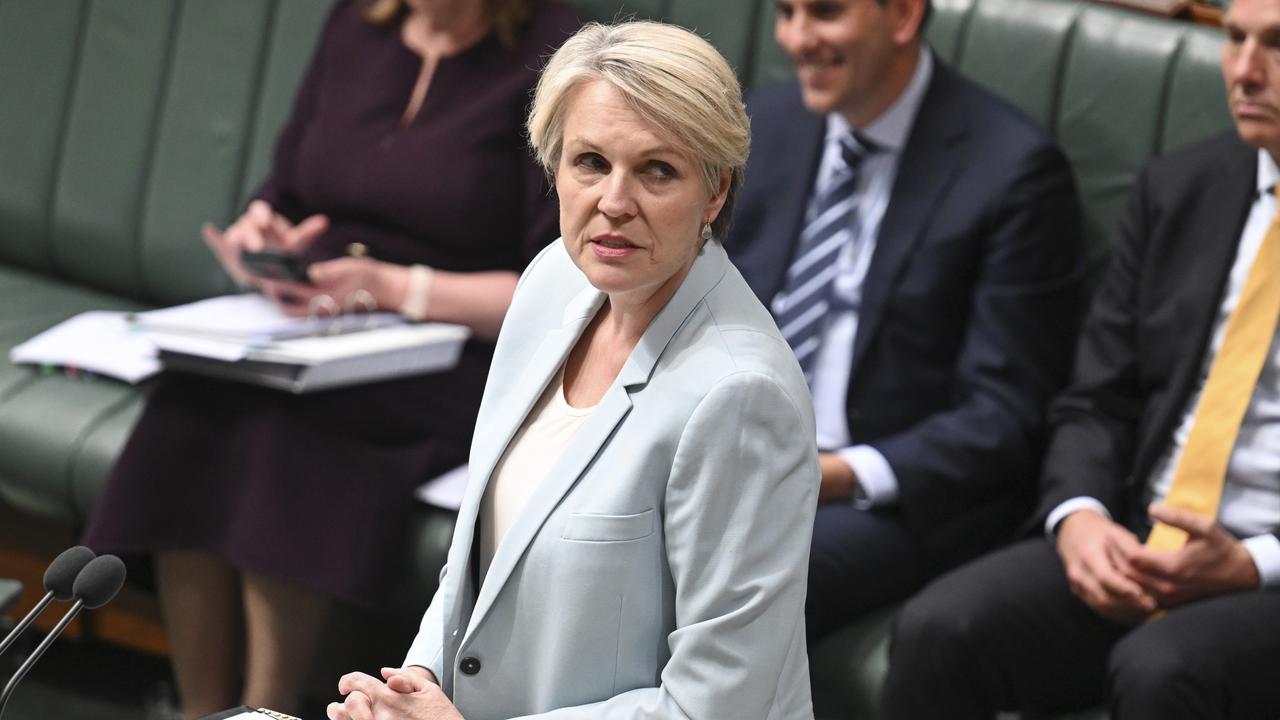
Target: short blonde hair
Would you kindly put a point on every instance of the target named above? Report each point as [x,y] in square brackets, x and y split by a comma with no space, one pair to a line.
[676,81]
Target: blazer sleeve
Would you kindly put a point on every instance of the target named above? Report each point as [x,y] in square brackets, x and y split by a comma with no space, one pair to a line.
[1024,314]
[738,516]
[427,649]
[1095,420]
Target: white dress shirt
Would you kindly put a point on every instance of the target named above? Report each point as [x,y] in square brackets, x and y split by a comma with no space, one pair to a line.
[1250,505]
[835,357]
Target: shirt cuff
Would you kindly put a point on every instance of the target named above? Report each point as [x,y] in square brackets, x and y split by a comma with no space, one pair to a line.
[1265,550]
[1061,512]
[875,476]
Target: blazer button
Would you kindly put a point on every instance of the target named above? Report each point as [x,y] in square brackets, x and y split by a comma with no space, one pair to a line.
[469,666]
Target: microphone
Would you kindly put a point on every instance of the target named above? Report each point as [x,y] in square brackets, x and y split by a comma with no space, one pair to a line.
[58,581]
[95,586]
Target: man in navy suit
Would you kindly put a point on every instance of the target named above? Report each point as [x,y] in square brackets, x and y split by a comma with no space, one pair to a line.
[918,241]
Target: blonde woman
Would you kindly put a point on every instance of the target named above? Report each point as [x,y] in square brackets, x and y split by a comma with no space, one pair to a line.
[635,537]
[262,509]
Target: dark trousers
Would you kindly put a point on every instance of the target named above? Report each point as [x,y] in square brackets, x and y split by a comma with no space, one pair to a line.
[861,560]
[1005,633]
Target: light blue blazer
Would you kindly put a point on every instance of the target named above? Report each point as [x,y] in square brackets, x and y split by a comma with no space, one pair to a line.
[659,570]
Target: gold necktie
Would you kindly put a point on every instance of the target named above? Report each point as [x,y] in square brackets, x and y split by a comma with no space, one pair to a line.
[1202,470]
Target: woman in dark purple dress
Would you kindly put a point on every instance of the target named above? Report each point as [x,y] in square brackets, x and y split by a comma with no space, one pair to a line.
[258,507]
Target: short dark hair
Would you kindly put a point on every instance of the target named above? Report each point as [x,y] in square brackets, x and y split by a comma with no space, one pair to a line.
[924,18]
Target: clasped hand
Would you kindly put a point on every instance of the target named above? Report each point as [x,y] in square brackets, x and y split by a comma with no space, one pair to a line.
[407,694]
[262,228]
[1124,581]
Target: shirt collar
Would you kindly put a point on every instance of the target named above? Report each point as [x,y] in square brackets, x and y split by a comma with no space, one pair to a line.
[889,130]
[1268,172]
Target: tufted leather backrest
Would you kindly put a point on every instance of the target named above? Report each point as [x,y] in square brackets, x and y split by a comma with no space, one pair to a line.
[733,26]
[1114,87]
[127,124]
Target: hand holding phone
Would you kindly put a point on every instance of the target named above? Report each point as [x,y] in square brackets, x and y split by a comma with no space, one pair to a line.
[274,265]
[262,228]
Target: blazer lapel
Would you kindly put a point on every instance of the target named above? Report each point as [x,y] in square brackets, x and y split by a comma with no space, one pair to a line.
[582,451]
[928,166]
[546,360]
[511,413]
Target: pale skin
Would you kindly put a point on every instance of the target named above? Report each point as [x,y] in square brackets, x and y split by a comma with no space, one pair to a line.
[622,184]
[1124,581]
[853,57]
[1251,70]
[1107,567]
[410,693]
[631,208]
[278,623]
[434,29]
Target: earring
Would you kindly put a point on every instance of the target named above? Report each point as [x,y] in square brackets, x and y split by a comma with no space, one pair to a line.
[706,231]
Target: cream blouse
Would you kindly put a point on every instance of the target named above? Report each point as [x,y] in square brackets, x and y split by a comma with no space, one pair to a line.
[537,445]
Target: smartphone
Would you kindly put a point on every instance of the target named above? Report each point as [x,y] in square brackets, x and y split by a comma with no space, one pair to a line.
[275,265]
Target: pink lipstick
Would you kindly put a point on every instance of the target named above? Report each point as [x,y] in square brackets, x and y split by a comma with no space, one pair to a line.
[611,247]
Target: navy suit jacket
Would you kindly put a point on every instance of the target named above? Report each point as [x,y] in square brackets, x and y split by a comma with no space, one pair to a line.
[1144,343]
[970,307]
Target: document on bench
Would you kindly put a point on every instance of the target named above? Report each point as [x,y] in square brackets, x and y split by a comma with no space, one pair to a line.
[98,341]
[248,339]
[446,490]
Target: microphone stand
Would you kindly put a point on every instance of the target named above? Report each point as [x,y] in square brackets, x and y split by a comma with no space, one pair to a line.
[26,621]
[40,650]
[59,581]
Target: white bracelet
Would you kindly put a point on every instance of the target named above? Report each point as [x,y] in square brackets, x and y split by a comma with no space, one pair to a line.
[417,295]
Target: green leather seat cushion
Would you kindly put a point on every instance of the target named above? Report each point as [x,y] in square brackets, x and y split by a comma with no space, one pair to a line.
[46,421]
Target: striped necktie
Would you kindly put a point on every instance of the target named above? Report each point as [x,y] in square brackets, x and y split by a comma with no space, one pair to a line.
[806,297]
[1201,472]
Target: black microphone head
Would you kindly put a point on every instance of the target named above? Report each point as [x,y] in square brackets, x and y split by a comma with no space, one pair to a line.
[60,578]
[100,580]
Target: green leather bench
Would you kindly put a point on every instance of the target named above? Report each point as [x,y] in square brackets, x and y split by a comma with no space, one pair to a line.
[127,124]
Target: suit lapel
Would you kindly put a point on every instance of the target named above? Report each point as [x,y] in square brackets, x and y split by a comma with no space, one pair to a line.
[929,164]
[1214,242]
[584,448]
[792,175]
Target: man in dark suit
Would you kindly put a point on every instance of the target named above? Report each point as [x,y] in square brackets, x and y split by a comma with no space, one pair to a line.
[917,239]
[1173,416]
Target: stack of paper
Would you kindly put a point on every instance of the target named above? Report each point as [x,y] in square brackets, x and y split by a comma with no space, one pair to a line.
[248,339]
[252,319]
[316,363]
